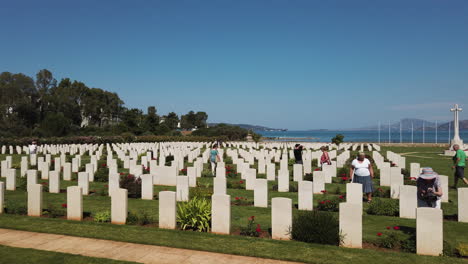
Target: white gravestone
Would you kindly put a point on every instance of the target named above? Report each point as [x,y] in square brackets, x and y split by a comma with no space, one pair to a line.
[147,187]
[32,178]
[167,210]
[283,181]
[463,205]
[54,182]
[261,193]
[281,218]
[385,174]
[119,206]
[305,196]
[11,180]
[408,201]
[429,231]
[319,182]
[2,196]
[83,182]
[35,200]
[221,214]
[414,170]
[297,172]
[444,181]
[354,193]
[67,171]
[271,172]
[74,203]
[351,225]
[219,185]
[182,189]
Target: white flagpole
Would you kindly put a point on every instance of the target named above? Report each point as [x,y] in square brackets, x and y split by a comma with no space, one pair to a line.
[423,133]
[401,141]
[412,133]
[389,136]
[436,132]
[379,132]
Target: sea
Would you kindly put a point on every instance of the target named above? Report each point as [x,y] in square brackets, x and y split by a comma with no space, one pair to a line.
[365,136]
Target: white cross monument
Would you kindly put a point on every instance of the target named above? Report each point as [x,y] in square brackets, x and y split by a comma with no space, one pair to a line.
[456,135]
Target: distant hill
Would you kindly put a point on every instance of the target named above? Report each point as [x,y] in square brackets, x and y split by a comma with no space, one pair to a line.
[417,124]
[251,127]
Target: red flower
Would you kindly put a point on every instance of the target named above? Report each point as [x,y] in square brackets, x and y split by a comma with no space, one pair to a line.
[237,198]
[328,201]
[317,169]
[388,227]
[396,228]
[322,202]
[241,182]
[64,205]
[341,197]
[344,178]
[258,229]
[252,218]
[104,165]
[44,183]
[379,234]
[323,191]
[121,173]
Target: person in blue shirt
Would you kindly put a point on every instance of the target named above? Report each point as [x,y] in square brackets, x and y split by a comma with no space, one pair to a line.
[214,158]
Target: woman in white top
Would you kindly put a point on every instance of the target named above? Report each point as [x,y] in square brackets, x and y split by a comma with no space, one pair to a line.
[361,171]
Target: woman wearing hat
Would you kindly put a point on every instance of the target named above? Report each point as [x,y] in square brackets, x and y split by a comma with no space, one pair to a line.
[429,188]
[361,171]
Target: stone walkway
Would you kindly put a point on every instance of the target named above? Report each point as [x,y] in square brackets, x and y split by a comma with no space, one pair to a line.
[119,250]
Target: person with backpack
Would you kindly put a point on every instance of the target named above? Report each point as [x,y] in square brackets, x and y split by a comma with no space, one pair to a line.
[429,189]
[459,161]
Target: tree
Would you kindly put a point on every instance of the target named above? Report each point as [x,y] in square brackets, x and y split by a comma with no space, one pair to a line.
[338,139]
[200,119]
[151,120]
[171,120]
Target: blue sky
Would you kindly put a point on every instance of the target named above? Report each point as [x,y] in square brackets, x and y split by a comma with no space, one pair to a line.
[289,64]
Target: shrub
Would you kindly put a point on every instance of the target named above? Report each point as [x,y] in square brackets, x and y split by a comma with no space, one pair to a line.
[207,173]
[316,227]
[139,218]
[14,207]
[231,172]
[236,184]
[102,173]
[309,177]
[22,183]
[330,204]
[251,229]
[292,187]
[379,192]
[242,201]
[338,139]
[205,193]
[386,207]
[102,217]
[227,159]
[194,214]
[183,172]
[291,162]
[45,186]
[132,184]
[55,211]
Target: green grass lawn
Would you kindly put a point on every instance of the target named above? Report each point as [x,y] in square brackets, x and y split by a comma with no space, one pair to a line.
[10,255]
[263,247]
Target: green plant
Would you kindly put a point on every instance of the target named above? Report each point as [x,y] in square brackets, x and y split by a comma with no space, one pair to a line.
[242,201]
[338,139]
[132,184]
[231,172]
[309,177]
[207,173]
[22,183]
[102,173]
[291,162]
[201,193]
[45,186]
[55,211]
[449,250]
[139,218]
[14,207]
[251,229]
[379,206]
[194,214]
[382,193]
[330,203]
[316,227]
[102,217]
[236,184]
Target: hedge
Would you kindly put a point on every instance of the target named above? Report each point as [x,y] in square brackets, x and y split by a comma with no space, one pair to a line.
[106,139]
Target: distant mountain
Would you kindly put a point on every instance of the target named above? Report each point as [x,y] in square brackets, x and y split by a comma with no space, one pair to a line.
[417,124]
[251,127]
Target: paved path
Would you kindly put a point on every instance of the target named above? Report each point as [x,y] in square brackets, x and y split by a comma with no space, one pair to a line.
[119,250]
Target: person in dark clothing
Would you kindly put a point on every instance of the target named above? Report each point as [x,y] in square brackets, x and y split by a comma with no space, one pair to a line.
[298,153]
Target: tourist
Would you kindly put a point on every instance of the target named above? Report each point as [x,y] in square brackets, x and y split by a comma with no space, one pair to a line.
[214,158]
[325,158]
[298,153]
[33,147]
[459,165]
[361,171]
[429,189]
